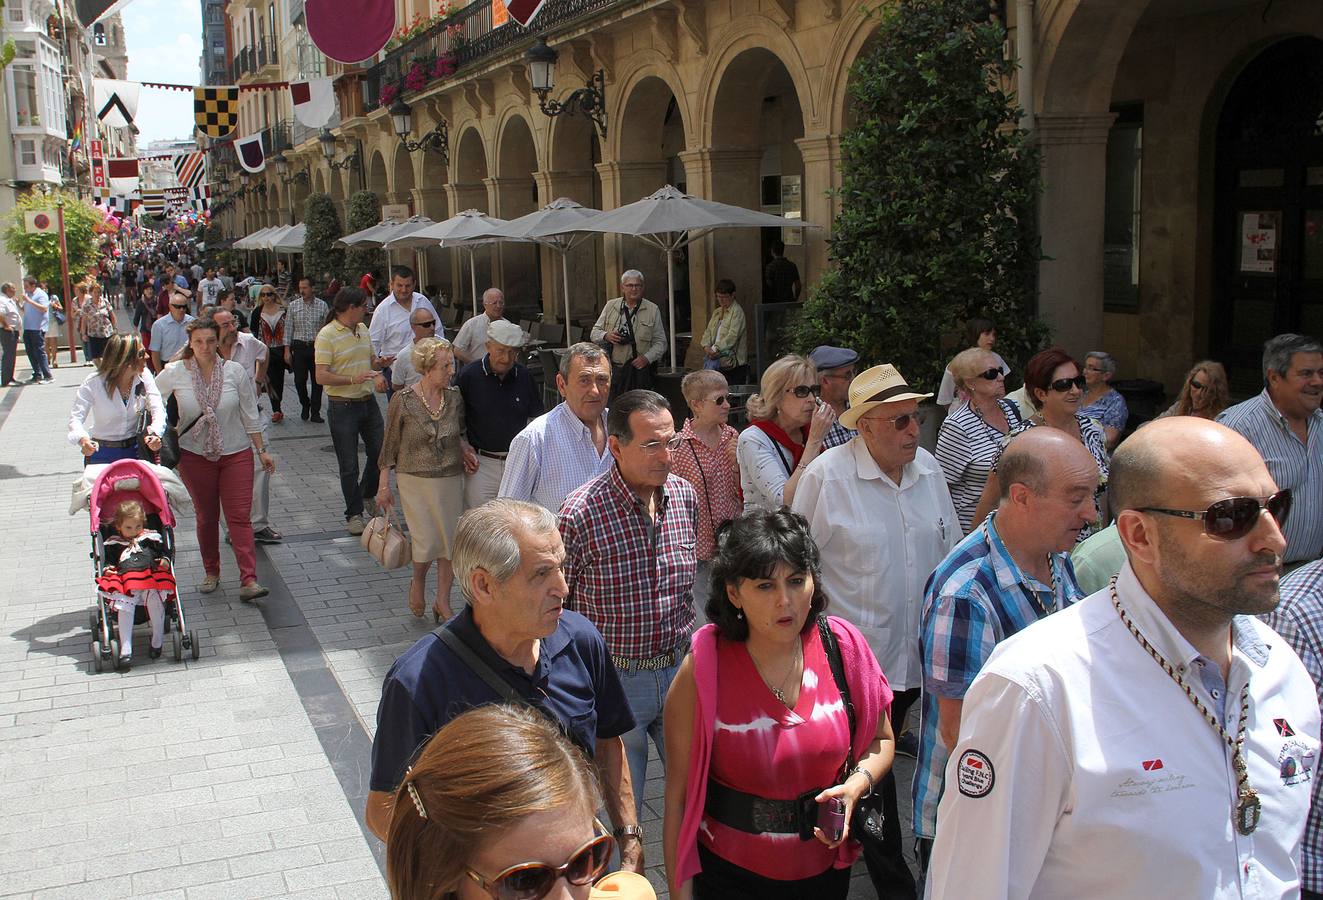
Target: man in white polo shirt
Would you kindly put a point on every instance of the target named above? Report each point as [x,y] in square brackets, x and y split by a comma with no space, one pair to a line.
[472,337]
[1155,739]
[390,332]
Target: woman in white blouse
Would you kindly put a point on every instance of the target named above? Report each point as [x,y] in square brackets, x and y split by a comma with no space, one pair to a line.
[218,430]
[787,423]
[114,403]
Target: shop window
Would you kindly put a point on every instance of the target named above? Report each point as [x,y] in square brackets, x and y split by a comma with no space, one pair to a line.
[27,153]
[1122,212]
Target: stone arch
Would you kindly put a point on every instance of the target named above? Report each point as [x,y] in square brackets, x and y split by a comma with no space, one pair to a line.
[434,262]
[470,157]
[574,154]
[731,62]
[298,195]
[854,37]
[319,180]
[402,180]
[1080,43]
[377,181]
[469,191]
[652,101]
[514,193]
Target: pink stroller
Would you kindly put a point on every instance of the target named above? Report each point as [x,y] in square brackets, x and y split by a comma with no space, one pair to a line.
[131,479]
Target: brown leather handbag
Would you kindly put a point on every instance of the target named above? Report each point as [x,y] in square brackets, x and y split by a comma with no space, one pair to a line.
[386,542]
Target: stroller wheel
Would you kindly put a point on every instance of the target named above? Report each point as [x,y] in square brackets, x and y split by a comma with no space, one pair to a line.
[177,644]
[114,652]
[97,665]
[194,645]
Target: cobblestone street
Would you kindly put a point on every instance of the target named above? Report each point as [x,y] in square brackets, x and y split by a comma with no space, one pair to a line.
[240,774]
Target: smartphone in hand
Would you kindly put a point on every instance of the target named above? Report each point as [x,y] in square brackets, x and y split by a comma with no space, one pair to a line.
[831,819]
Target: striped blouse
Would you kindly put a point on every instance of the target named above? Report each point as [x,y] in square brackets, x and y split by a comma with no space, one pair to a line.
[967,448]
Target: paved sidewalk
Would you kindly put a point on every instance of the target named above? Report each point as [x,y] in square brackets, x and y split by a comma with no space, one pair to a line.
[241,774]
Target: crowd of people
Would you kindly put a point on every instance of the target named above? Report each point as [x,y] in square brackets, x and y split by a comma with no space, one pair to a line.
[1084,612]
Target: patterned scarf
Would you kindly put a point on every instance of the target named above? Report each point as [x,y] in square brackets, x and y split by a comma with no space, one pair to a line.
[208,394]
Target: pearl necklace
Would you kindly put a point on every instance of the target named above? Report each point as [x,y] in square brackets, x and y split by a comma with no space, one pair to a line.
[1248,809]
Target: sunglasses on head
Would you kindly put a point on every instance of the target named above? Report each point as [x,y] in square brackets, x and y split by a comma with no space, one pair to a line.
[1061,385]
[534,880]
[991,374]
[803,390]
[1235,517]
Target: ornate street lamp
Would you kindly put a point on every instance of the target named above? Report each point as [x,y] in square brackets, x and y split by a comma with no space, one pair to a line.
[327,141]
[438,139]
[282,171]
[589,100]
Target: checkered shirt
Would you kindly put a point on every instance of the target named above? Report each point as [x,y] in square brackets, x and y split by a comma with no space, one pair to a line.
[306,318]
[635,583]
[1298,618]
[975,599]
[837,435]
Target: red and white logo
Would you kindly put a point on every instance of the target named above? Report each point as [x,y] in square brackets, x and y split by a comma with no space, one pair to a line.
[1284,728]
[1152,765]
[974,774]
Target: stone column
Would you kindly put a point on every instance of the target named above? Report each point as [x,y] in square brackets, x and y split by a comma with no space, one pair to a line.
[822,174]
[1070,278]
[623,183]
[514,265]
[587,293]
[460,197]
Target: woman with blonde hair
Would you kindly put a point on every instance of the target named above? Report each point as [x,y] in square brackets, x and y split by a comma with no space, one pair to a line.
[424,443]
[498,805]
[1205,392]
[787,422]
[114,402]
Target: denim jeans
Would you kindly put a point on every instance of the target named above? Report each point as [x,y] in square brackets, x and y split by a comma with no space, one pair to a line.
[34,344]
[348,422]
[8,353]
[646,693]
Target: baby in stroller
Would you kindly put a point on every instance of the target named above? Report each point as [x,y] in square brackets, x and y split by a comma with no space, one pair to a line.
[138,574]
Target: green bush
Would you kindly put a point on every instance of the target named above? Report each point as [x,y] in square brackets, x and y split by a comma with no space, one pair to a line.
[320,255]
[939,189]
[40,253]
[363,211]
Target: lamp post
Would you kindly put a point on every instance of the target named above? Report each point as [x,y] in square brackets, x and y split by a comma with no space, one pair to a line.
[438,139]
[589,100]
[327,141]
[282,171]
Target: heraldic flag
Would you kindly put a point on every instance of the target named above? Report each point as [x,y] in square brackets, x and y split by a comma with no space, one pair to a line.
[191,168]
[314,101]
[250,153]
[216,110]
[123,175]
[523,11]
[116,101]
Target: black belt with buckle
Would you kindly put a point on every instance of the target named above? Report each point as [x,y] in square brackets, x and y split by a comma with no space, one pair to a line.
[491,455]
[651,664]
[759,815]
[116,445]
[349,399]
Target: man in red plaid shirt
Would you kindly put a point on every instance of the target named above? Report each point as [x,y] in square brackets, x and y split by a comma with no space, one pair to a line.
[630,542]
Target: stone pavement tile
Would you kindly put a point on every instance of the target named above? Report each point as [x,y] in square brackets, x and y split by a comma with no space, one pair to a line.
[35,879]
[329,874]
[276,861]
[121,886]
[368,889]
[239,888]
[201,851]
[181,876]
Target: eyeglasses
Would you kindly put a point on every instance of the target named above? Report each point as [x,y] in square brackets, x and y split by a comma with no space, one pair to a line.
[266,293]
[1235,517]
[803,390]
[672,445]
[902,422]
[534,880]
[721,400]
[1061,385]
[179,306]
[430,323]
[991,374]
[1197,385]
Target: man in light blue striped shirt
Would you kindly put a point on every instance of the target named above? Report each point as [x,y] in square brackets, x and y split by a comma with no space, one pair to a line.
[1285,425]
[1008,573]
[566,448]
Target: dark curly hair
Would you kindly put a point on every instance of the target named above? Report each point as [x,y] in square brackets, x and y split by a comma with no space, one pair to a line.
[752,546]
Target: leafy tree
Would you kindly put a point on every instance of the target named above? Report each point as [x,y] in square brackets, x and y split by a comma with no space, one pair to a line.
[939,189]
[363,211]
[40,253]
[320,255]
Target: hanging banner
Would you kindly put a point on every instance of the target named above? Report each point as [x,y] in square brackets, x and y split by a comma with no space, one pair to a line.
[522,11]
[216,110]
[122,175]
[190,168]
[98,165]
[314,101]
[92,11]
[116,102]
[250,153]
[153,201]
[40,221]
[350,31]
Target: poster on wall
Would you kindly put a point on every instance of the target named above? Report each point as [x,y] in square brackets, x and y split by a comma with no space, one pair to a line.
[792,207]
[1258,242]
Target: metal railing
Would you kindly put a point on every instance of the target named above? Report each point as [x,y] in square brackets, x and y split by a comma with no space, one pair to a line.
[277,137]
[249,59]
[468,36]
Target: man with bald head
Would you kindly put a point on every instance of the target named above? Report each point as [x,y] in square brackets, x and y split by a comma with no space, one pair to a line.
[1154,739]
[472,337]
[1009,572]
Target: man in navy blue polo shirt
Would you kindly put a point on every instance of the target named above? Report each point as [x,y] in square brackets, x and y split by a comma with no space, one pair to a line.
[499,400]
[508,559]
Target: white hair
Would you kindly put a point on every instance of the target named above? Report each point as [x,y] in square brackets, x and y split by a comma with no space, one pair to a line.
[488,538]
[632,273]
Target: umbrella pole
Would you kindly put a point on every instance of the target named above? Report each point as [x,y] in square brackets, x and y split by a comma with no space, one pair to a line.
[473,278]
[565,275]
[670,290]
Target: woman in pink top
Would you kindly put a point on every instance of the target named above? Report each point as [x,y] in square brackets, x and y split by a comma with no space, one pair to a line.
[758,734]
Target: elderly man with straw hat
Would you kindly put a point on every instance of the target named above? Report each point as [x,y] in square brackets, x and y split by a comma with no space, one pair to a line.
[883,519]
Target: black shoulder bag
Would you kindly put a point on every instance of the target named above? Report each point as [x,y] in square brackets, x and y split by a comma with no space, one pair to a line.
[867,822]
[169,454]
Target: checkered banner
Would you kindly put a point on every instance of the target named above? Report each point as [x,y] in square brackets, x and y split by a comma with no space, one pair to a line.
[120,206]
[216,110]
[191,168]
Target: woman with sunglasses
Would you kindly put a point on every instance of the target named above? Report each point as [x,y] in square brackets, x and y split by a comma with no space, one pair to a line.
[748,803]
[971,436]
[1055,384]
[707,460]
[113,403]
[498,805]
[1204,394]
[979,334]
[788,422]
[268,324]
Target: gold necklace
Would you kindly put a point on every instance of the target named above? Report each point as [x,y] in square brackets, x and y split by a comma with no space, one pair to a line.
[779,692]
[1248,808]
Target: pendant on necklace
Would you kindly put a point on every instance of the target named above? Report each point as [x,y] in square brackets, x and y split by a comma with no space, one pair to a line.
[1248,810]
[780,695]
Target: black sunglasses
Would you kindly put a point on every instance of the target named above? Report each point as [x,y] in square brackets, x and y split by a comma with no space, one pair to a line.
[1197,385]
[534,880]
[991,374]
[430,323]
[720,400]
[178,306]
[902,422]
[1061,385]
[1235,517]
[803,390]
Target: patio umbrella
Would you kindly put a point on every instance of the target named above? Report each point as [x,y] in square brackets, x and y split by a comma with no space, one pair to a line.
[368,238]
[467,229]
[246,242]
[272,236]
[548,226]
[670,219]
[291,241]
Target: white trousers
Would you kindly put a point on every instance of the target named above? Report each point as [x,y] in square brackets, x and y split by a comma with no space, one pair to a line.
[484,484]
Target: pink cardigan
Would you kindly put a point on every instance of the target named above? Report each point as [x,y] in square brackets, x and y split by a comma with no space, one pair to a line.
[868,690]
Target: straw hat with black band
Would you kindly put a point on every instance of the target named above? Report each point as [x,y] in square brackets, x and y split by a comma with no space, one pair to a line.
[874,387]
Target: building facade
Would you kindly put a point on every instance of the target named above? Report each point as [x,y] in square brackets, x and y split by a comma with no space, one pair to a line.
[1182,152]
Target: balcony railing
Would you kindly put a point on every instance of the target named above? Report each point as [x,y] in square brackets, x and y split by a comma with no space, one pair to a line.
[266,53]
[466,37]
[277,138]
[250,59]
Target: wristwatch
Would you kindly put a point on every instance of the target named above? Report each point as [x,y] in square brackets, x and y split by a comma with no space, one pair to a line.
[624,831]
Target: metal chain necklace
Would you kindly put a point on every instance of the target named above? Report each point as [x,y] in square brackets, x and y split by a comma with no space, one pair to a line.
[1040,608]
[779,692]
[1248,808]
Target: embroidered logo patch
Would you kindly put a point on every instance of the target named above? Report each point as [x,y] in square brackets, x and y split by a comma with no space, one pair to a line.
[974,774]
[1284,728]
[1152,765]
[1295,762]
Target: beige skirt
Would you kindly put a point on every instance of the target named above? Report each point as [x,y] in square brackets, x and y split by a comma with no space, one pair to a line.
[432,507]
